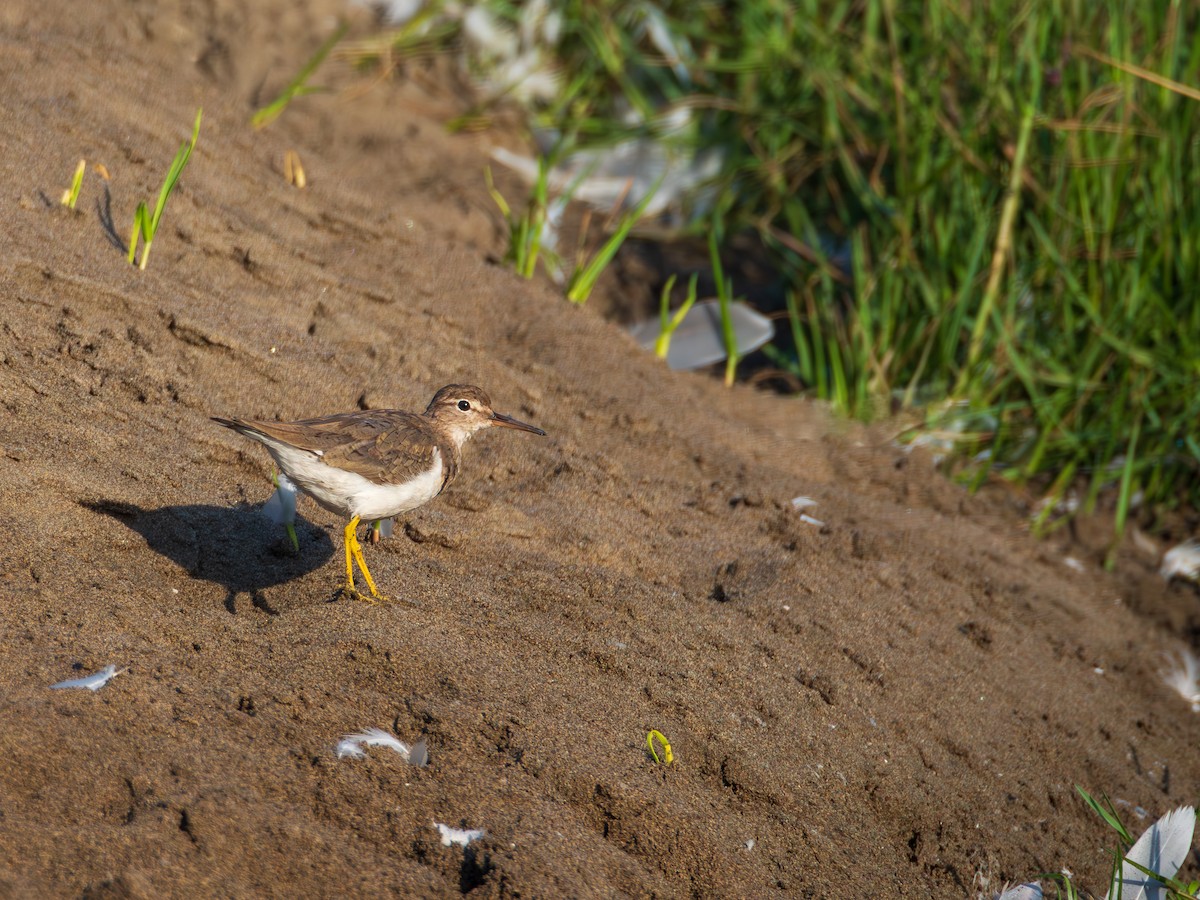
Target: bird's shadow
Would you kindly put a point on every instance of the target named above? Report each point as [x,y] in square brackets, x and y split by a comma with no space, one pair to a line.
[236,548]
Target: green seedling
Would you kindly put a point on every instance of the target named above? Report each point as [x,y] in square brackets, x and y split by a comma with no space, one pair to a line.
[145,224]
[725,298]
[579,288]
[71,194]
[525,231]
[670,323]
[667,756]
[299,85]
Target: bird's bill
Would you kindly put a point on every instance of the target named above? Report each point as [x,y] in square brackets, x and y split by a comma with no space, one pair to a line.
[510,422]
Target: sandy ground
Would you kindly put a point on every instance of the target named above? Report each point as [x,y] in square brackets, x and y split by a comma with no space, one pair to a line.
[897,704]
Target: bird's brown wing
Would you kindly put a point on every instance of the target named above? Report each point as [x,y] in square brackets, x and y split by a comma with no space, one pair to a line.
[384,446]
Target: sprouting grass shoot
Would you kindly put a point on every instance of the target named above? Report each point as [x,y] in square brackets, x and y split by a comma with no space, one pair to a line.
[145,223]
[71,195]
[525,230]
[725,299]
[668,756]
[669,322]
[298,86]
[584,279]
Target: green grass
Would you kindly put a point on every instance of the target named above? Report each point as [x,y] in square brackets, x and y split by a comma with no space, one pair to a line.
[724,300]
[985,213]
[1173,888]
[668,321]
[587,273]
[528,233]
[526,228]
[71,195]
[298,86]
[145,223]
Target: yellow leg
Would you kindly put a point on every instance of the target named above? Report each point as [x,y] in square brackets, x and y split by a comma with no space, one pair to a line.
[362,564]
[349,539]
[354,555]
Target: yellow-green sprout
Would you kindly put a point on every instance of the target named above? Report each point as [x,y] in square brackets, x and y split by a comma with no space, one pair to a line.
[71,194]
[145,223]
[667,756]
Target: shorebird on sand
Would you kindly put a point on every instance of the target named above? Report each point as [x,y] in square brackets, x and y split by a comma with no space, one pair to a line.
[377,463]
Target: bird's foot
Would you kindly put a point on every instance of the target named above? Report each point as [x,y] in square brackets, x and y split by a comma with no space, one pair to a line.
[352,593]
[377,599]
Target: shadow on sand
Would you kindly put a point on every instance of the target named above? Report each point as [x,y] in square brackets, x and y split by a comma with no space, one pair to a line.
[232,547]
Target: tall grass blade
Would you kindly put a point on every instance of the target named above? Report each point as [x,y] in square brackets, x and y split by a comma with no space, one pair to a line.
[584,279]
[1004,241]
[1108,813]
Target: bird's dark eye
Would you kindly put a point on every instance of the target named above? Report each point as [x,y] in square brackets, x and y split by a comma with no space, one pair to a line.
[464,405]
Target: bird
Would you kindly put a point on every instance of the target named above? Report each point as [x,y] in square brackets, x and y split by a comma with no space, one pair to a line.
[377,463]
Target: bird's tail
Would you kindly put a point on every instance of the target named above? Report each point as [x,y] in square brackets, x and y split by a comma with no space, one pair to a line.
[241,427]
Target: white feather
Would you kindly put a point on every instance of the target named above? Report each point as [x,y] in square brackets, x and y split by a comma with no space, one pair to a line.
[532,13]
[1163,848]
[398,12]
[1029,891]
[487,36]
[674,48]
[623,173]
[460,836]
[1182,562]
[351,745]
[91,682]
[281,508]
[348,747]
[1182,675]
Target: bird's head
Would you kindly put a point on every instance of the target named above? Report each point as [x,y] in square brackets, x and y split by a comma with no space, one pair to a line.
[464,409]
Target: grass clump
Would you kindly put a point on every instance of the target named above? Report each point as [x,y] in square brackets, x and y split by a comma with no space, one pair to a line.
[527,229]
[987,213]
[145,223]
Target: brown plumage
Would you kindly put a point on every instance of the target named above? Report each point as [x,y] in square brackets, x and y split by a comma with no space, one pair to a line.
[385,446]
[374,464]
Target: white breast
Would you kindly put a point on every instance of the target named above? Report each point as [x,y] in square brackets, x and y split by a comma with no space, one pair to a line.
[348,493]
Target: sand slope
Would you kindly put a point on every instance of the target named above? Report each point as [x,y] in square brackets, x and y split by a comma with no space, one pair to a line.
[897,704]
